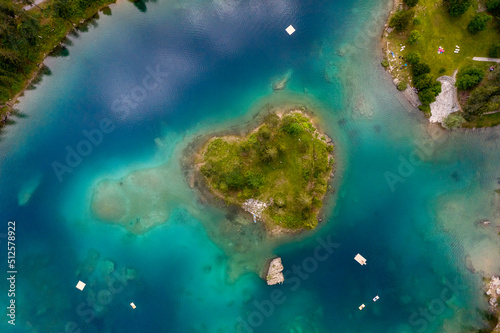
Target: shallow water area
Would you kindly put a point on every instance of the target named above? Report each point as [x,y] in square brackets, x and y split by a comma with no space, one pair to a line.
[408,195]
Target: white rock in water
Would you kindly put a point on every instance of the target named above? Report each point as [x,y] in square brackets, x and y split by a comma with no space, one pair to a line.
[495,281]
[274,273]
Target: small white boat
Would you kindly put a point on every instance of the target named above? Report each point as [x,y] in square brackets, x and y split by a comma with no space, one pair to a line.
[376,298]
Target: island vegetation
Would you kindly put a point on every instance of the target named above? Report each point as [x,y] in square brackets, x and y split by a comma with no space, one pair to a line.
[426,39]
[279,171]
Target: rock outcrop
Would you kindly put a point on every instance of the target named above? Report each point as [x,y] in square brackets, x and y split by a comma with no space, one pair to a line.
[254,207]
[274,273]
[494,291]
[446,102]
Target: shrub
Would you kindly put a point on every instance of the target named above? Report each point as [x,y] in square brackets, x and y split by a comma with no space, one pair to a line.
[457,7]
[425,108]
[235,180]
[264,133]
[453,121]
[414,37]
[317,203]
[402,86]
[413,57]
[254,180]
[493,6]
[293,129]
[420,68]
[478,22]
[400,20]
[410,3]
[495,50]
[442,70]
[385,63]
[416,21]
[467,82]
[469,77]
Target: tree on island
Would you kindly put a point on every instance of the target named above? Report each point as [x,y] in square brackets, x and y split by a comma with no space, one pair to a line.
[457,7]
[414,37]
[401,19]
[478,22]
[410,3]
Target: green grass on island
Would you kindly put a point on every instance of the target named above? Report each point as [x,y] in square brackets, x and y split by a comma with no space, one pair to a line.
[286,163]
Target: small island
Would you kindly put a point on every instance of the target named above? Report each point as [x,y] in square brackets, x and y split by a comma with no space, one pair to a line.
[279,172]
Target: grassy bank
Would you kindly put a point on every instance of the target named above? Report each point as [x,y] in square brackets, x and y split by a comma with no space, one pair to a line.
[433,25]
[285,163]
[438,28]
[29,36]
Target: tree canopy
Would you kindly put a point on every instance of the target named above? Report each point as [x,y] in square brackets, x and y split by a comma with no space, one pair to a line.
[457,7]
[413,57]
[469,77]
[478,22]
[414,37]
[410,3]
[493,7]
[485,98]
[401,19]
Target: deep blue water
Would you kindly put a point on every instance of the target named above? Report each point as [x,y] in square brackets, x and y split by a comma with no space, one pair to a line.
[218,60]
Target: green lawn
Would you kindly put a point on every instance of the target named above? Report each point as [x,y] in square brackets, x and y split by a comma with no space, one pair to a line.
[438,28]
[285,163]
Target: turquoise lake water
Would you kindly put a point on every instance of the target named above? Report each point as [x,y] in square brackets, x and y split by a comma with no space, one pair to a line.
[407,194]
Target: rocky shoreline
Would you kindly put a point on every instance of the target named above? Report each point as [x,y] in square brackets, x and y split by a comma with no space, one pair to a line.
[493,293]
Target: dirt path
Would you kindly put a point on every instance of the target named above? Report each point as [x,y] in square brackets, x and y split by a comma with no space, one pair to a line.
[486,59]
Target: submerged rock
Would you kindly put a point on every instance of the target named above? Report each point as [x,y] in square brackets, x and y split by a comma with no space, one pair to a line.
[274,273]
[107,267]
